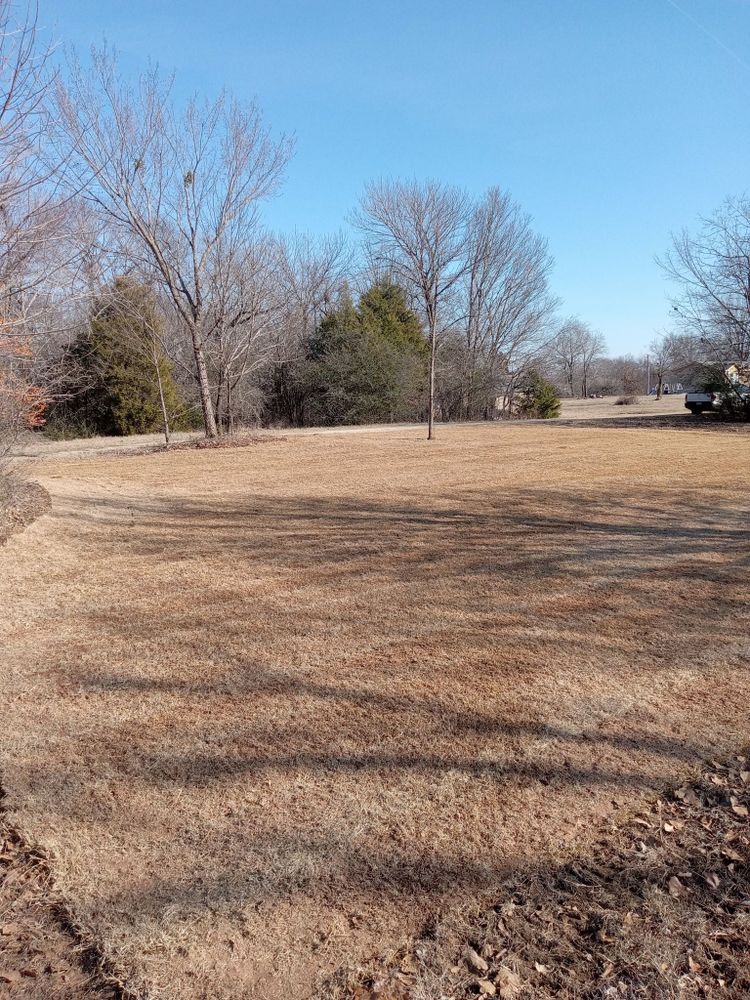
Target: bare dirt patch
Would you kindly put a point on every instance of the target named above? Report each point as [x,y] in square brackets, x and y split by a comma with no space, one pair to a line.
[278,707]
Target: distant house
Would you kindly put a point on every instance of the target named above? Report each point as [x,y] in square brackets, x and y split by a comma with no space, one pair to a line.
[739,373]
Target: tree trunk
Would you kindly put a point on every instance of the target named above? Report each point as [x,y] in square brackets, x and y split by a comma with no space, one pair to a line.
[220,420]
[229,410]
[431,405]
[207,406]
[164,414]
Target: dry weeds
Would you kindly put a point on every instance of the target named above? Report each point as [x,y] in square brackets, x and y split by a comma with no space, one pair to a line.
[275,707]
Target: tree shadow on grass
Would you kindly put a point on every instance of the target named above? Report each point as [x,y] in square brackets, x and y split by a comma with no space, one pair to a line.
[447,620]
[711,422]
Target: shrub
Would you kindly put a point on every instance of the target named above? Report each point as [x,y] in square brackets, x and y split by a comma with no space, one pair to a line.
[536,398]
[626,400]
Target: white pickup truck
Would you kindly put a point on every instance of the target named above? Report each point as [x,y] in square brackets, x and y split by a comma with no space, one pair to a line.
[703,402]
[707,402]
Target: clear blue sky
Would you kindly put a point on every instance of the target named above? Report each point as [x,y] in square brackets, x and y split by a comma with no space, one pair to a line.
[613,122]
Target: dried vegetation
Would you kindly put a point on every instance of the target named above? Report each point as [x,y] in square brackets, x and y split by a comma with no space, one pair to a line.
[274,709]
[20,503]
[659,910]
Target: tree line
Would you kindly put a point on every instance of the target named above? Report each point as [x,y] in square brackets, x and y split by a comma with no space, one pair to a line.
[140,288]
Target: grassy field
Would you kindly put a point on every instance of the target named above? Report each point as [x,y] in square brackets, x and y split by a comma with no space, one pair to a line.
[271,709]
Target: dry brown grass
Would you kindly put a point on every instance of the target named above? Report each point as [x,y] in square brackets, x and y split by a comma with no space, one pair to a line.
[41,955]
[644,406]
[657,910]
[271,708]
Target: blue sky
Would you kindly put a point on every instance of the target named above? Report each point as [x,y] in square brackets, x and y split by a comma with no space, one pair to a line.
[613,122]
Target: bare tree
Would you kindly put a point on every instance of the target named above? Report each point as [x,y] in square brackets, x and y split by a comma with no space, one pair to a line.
[179,191]
[712,273]
[308,274]
[661,358]
[505,291]
[592,349]
[245,305]
[30,218]
[420,232]
[575,350]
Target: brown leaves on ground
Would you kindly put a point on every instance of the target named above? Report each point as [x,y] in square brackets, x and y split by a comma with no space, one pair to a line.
[228,441]
[660,911]
[20,504]
[39,958]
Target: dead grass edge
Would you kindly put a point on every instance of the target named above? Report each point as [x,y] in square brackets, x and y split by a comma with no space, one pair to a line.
[104,978]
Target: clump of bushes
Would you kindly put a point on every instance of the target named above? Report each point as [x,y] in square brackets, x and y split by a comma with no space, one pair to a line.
[626,400]
[68,429]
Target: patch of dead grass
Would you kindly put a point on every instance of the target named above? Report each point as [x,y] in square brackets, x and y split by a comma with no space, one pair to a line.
[659,909]
[42,957]
[274,708]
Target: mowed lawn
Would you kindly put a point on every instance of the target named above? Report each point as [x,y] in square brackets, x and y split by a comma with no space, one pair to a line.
[271,708]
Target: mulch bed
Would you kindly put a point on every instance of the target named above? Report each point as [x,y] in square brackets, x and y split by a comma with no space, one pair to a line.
[20,504]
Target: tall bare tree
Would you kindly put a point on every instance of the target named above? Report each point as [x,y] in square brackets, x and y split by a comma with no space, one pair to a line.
[308,274]
[505,296]
[31,218]
[245,307]
[180,191]
[661,358]
[712,274]
[575,350]
[419,230]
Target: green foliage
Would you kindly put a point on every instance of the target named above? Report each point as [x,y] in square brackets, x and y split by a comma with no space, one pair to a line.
[115,368]
[537,398]
[384,311]
[366,363]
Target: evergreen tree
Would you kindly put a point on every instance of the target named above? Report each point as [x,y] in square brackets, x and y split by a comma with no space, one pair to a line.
[367,364]
[119,379]
[384,310]
[537,398]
